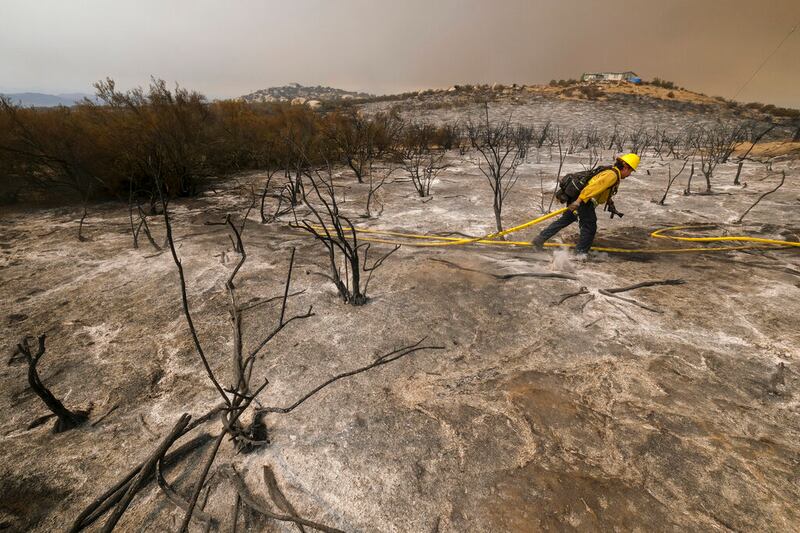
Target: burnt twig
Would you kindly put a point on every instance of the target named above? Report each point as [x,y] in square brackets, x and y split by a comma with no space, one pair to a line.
[250,501]
[278,497]
[565,297]
[185,301]
[504,277]
[394,355]
[147,469]
[103,417]
[229,423]
[109,498]
[630,301]
[175,498]
[783,179]
[257,303]
[646,284]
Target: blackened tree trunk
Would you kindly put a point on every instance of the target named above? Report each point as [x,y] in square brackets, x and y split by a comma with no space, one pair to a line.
[738,173]
[66,418]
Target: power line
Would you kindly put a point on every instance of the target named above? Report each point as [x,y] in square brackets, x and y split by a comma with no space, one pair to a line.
[765,61]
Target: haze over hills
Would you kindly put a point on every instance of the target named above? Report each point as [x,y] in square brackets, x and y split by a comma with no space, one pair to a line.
[47,100]
[285,93]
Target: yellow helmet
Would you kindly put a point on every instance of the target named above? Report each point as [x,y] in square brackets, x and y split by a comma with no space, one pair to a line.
[631,159]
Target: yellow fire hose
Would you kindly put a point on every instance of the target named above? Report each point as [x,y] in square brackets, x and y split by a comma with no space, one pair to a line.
[434,240]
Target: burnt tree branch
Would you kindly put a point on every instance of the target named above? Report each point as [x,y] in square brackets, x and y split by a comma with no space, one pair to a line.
[783,179]
[66,418]
[394,355]
[251,502]
[145,472]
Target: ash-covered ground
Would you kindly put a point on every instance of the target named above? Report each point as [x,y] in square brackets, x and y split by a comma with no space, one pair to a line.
[627,107]
[592,414]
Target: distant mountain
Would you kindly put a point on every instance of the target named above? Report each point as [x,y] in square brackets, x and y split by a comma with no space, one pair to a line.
[294,91]
[47,100]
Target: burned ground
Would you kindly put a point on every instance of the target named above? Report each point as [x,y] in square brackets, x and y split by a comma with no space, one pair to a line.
[594,413]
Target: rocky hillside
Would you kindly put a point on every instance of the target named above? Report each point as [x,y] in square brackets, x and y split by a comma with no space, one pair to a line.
[295,91]
[580,105]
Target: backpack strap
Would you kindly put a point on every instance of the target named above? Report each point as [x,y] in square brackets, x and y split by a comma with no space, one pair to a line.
[613,189]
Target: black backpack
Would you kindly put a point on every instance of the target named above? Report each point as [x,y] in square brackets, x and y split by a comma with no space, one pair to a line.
[571,185]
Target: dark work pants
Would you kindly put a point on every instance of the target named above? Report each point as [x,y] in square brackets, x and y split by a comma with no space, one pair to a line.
[587,220]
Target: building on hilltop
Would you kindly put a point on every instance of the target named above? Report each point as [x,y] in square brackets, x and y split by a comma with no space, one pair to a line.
[611,76]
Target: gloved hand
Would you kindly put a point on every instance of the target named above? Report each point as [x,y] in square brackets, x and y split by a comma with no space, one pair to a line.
[574,205]
[610,207]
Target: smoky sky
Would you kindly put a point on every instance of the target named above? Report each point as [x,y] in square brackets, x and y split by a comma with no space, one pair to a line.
[230,48]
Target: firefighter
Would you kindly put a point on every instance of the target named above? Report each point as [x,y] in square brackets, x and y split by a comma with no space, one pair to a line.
[598,190]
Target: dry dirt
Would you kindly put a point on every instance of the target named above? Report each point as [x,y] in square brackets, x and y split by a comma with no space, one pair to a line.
[769,149]
[595,414]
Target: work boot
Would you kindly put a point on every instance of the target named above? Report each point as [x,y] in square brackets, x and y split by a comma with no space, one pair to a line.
[581,257]
[538,244]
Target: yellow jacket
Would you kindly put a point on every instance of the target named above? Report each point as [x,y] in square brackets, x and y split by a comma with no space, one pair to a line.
[601,187]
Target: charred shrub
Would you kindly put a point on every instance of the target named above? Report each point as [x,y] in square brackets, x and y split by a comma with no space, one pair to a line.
[591,91]
[664,84]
